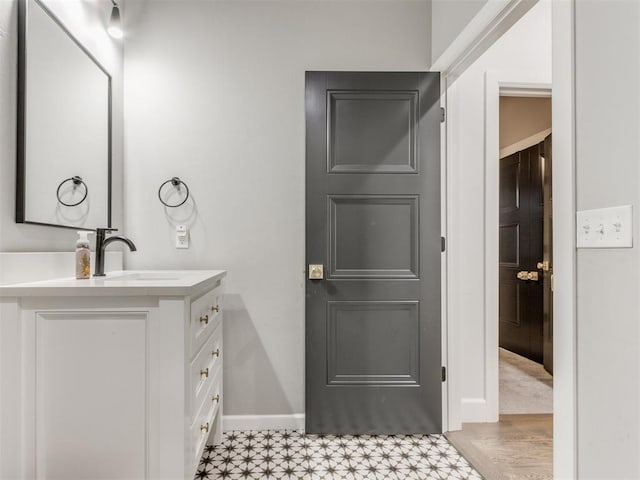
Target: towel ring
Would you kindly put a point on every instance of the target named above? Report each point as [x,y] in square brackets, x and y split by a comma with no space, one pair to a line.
[176,182]
[76,181]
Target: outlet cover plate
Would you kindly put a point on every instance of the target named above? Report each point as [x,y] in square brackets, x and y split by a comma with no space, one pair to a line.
[182,236]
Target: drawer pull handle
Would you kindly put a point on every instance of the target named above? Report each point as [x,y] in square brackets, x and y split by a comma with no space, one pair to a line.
[215,398]
[215,353]
[204,319]
[215,308]
[204,428]
[205,372]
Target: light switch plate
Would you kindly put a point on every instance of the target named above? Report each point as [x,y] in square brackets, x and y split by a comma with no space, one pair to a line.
[605,227]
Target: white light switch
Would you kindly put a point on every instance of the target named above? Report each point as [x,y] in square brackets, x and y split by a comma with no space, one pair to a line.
[182,236]
[605,228]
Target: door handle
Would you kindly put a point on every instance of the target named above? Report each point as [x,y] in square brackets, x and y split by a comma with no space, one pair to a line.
[523,275]
[544,266]
[316,272]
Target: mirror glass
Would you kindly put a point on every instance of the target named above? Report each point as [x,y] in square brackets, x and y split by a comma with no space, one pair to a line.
[64,126]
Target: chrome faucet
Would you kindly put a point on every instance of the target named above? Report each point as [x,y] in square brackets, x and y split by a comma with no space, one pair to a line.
[101,243]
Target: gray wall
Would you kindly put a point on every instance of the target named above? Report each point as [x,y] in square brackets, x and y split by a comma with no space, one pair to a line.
[214,93]
[87,20]
[450,17]
[608,313]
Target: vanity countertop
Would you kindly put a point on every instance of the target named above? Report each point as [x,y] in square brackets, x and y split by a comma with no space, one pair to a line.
[121,283]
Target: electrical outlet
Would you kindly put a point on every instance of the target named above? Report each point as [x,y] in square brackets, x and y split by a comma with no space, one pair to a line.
[182,236]
[605,227]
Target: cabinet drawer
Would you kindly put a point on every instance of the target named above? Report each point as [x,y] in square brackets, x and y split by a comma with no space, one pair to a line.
[205,368]
[206,314]
[206,420]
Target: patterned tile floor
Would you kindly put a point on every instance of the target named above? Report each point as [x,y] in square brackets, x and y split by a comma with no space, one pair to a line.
[291,455]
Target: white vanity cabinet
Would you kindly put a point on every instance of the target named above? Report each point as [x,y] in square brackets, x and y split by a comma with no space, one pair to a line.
[119,378]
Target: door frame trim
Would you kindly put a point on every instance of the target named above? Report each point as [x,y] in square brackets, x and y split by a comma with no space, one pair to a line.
[472,43]
[489,24]
[495,83]
[565,421]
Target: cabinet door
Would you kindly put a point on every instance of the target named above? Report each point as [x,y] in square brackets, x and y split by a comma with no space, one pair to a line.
[91,395]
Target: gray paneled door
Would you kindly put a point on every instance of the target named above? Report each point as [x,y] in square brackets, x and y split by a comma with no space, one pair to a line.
[373,342]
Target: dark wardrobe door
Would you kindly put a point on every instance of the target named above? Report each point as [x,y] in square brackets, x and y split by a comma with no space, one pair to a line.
[521,208]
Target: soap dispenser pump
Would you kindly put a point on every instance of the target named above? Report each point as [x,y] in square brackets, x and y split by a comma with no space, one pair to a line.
[83,255]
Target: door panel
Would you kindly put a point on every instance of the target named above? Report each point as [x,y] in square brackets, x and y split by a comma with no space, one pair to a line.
[514,238]
[390,353]
[510,297]
[509,245]
[372,132]
[510,184]
[373,342]
[373,236]
[520,236]
[534,288]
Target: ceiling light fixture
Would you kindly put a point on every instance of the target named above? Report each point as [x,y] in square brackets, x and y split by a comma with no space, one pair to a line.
[115,24]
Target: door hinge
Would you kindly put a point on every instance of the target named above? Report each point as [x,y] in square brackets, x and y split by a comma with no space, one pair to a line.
[443,244]
[443,115]
[444,374]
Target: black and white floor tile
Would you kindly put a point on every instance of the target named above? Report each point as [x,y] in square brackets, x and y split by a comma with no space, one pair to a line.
[292,455]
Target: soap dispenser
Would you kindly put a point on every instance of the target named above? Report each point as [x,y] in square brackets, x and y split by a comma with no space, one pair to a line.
[83,255]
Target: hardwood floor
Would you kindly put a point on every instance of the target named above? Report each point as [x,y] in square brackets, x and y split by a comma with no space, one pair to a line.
[518,447]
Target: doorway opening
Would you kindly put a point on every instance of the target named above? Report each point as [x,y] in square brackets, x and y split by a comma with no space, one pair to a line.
[520,61]
[525,255]
[522,439]
[525,280]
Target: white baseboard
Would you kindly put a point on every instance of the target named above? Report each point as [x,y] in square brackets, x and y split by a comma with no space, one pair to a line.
[476,410]
[263,422]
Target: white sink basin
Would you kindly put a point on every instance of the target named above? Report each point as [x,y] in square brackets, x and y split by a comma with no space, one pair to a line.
[141,277]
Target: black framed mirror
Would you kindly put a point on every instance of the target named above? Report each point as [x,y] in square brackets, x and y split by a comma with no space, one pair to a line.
[64,126]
